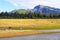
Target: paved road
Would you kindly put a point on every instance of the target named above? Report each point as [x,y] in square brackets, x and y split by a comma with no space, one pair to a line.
[52,30]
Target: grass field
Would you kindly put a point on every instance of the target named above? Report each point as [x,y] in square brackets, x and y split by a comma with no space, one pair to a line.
[13,33]
[30,23]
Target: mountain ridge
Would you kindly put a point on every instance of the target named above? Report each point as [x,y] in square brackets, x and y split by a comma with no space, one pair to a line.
[45,9]
[41,9]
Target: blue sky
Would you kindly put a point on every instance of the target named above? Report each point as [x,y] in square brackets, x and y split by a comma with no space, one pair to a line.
[8,5]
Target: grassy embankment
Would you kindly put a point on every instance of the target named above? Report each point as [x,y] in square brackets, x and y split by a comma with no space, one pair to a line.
[14,33]
[24,24]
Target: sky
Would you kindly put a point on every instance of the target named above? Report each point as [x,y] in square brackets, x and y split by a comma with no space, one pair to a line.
[9,5]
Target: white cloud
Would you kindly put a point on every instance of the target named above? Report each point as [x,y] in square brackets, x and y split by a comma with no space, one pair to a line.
[12,2]
[32,3]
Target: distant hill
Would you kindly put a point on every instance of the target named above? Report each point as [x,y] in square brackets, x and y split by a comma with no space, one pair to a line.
[21,11]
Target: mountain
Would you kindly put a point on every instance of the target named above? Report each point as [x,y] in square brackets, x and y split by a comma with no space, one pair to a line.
[39,8]
[45,9]
[21,11]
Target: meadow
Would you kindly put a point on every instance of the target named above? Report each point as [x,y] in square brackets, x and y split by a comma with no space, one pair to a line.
[27,24]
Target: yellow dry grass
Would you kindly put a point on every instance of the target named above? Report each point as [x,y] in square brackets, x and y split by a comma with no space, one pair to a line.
[13,33]
[27,22]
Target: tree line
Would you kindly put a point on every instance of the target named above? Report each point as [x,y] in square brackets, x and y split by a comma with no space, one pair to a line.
[27,15]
